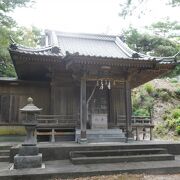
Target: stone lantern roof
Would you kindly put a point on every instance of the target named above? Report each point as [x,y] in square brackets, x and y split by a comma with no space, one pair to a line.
[30,107]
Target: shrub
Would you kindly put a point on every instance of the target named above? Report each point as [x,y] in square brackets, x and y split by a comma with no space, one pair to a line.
[177,92]
[149,88]
[160,129]
[171,124]
[164,96]
[173,80]
[141,112]
[175,113]
[178,130]
[178,121]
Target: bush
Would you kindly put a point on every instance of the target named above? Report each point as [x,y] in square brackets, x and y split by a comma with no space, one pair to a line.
[178,121]
[141,112]
[149,88]
[172,120]
[177,92]
[171,124]
[160,129]
[164,96]
[178,130]
[173,80]
[175,113]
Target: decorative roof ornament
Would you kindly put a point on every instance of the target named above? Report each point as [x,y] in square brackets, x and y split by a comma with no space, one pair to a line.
[55,50]
[136,55]
[13,44]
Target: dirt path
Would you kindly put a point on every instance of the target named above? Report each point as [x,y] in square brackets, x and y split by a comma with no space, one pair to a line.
[129,177]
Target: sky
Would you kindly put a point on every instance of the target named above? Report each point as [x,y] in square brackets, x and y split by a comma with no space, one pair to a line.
[89,16]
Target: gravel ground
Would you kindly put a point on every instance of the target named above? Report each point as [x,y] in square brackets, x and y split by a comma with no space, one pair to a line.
[129,177]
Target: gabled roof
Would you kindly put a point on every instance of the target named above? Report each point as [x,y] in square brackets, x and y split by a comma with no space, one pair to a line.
[61,44]
[68,51]
[94,45]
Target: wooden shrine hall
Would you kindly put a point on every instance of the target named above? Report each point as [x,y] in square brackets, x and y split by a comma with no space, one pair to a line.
[82,82]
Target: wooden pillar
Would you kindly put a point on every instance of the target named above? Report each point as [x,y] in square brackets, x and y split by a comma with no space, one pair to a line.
[128,109]
[151,128]
[52,96]
[83,110]
[52,91]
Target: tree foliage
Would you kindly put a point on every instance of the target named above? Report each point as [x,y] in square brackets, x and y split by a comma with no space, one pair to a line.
[7,6]
[152,45]
[166,28]
[128,7]
[9,27]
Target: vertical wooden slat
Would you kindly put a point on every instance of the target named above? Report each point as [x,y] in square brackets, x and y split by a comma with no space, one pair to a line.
[10,107]
[5,108]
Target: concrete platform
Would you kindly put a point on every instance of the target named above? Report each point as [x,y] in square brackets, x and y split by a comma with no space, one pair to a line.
[61,150]
[65,169]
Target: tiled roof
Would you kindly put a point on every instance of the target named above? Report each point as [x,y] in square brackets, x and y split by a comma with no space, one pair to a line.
[44,51]
[105,46]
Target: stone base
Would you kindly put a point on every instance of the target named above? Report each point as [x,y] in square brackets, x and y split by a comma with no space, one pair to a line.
[21,162]
[82,141]
[28,151]
[130,137]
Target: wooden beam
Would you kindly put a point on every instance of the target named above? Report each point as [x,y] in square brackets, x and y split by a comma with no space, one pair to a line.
[128,108]
[83,110]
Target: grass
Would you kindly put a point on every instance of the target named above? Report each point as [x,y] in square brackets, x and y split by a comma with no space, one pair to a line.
[12,130]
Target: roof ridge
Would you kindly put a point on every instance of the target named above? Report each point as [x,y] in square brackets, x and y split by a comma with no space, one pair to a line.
[84,35]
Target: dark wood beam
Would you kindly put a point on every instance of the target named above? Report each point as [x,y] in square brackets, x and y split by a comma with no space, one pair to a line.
[83,110]
[128,107]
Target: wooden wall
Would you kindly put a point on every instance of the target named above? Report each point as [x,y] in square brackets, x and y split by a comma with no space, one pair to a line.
[67,100]
[14,96]
[62,97]
[117,104]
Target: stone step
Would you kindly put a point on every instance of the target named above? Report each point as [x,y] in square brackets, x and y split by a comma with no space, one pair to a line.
[117,159]
[105,139]
[117,152]
[5,147]
[4,152]
[102,135]
[4,158]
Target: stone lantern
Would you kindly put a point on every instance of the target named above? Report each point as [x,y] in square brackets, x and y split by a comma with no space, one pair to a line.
[29,156]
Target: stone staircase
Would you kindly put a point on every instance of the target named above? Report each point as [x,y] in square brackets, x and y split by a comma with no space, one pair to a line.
[120,155]
[102,135]
[4,153]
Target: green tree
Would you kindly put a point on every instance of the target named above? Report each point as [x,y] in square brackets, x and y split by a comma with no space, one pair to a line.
[166,28]
[9,27]
[152,45]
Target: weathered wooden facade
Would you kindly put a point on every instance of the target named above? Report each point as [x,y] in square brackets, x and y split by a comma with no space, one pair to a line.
[78,75]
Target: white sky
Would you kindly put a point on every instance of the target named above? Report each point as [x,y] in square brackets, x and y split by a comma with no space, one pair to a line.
[88,16]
